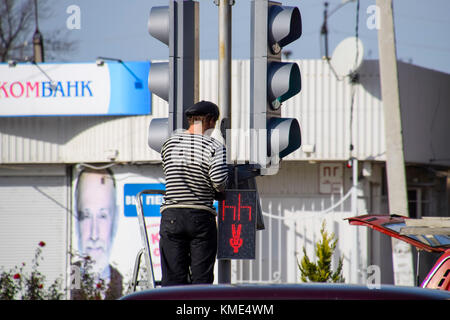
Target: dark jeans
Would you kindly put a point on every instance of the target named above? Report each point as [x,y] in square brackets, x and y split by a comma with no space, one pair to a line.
[188,242]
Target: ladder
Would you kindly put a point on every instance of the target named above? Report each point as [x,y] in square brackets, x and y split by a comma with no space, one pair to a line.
[149,282]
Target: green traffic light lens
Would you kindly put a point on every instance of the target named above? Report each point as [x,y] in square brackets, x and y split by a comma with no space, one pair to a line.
[284,82]
[294,86]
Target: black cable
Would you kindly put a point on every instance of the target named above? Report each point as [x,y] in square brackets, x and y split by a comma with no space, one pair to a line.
[353,76]
[357,34]
[353,79]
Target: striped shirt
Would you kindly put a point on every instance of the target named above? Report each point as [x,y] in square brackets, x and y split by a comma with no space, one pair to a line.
[195,167]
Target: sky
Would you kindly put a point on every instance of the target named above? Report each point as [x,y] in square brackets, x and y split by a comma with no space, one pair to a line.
[118,29]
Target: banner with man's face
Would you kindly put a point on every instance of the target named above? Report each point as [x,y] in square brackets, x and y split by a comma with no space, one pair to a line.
[105,224]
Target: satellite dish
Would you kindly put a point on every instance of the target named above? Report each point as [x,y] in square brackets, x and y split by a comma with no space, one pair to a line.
[347,57]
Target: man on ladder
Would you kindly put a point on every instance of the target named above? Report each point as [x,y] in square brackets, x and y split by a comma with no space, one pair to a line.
[195,168]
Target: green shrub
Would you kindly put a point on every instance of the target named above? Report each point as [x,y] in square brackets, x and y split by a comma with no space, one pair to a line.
[321,271]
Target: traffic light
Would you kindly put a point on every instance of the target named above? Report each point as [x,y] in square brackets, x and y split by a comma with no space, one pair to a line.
[273,26]
[175,81]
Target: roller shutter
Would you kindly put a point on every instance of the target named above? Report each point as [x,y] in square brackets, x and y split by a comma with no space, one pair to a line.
[34,209]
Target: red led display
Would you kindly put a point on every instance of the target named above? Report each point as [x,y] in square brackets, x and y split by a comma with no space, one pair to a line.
[239,207]
[237,225]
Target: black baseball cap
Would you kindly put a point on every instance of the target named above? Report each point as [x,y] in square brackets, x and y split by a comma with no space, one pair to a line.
[202,108]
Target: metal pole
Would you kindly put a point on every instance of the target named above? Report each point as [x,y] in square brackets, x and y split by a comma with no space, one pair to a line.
[417,268]
[354,208]
[38,41]
[395,162]
[225,64]
[224,266]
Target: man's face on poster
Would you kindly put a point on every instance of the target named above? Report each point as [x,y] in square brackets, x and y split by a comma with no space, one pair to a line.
[96,210]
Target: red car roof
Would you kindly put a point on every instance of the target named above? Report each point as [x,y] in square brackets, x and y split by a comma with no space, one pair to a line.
[392,224]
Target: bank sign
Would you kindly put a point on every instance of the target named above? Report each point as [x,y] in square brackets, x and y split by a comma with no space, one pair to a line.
[48,89]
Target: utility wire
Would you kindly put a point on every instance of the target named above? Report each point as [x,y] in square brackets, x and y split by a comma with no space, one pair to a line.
[353,76]
[353,79]
[357,35]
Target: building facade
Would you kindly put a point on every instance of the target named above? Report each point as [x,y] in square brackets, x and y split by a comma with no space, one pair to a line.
[41,156]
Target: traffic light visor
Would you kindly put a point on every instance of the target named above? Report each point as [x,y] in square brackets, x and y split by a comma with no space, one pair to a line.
[158,133]
[158,23]
[284,136]
[285,25]
[283,81]
[159,79]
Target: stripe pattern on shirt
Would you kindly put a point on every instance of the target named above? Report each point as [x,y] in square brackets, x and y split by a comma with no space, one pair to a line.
[195,167]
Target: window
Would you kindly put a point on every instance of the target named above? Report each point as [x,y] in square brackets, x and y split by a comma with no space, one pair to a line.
[418,202]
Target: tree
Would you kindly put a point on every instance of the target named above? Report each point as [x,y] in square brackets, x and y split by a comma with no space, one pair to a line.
[17,26]
[321,270]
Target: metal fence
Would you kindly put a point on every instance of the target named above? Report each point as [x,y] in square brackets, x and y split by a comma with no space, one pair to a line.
[290,228]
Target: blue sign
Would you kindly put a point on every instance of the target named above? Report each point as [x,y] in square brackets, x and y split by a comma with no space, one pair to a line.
[129,88]
[68,89]
[150,202]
